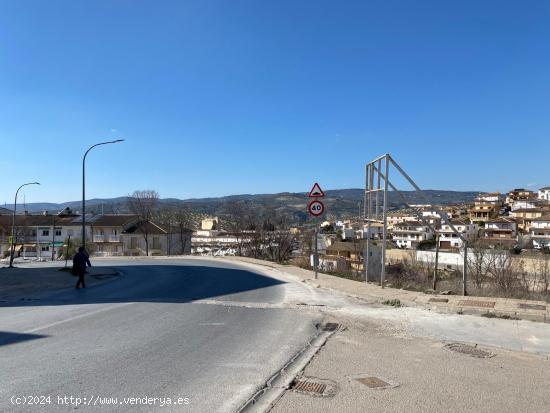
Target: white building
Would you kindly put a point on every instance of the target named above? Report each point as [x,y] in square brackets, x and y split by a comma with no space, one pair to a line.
[544,193]
[492,198]
[540,232]
[398,218]
[40,236]
[376,231]
[448,239]
[410,234]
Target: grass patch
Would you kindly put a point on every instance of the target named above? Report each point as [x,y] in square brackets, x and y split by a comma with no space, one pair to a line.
[501,316]
[394,303]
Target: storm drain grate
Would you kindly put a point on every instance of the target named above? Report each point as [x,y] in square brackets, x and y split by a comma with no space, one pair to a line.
[331,327]
[476,303]
[469,350]
[532,306]
[438,300]
[309,387]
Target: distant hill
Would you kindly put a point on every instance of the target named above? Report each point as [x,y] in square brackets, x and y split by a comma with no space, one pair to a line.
[339,203]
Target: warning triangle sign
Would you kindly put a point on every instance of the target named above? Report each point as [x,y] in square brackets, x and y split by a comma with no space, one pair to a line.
[316,191]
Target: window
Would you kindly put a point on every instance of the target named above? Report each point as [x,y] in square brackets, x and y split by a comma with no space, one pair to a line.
[57,232]
[45,232]
[33,233]
[45,248]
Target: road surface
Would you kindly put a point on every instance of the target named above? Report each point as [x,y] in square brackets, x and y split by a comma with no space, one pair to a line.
[205,334]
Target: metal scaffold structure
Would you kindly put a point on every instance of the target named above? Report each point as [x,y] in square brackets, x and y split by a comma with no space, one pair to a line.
[375,212]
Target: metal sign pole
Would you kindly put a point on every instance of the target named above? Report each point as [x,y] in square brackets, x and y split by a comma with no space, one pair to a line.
[316,256]
[465,269]
[385,219]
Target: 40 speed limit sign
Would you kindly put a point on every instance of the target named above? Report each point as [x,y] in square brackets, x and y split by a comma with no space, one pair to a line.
[316,208]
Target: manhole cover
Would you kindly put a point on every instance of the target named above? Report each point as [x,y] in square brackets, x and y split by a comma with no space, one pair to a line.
[469,350]
[330,327]
[438,300]
[474,303]
[314,387]
[374,382]
[532,306]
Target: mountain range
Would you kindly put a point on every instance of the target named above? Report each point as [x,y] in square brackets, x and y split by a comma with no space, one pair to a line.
[339,203]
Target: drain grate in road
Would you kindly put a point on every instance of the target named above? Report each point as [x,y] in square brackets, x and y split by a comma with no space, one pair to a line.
[438,300]
[330,327]
[475,303]
[309,387]
[469,350]
[532,306]
[373,382]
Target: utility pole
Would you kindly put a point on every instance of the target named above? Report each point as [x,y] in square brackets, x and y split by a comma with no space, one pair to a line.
[53,239]
[13,231]
[434,284]
[84,187]
[67,250]
[465,270]
[316,255]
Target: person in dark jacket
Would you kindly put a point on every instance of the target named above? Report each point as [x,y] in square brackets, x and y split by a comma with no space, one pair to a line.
[80,260]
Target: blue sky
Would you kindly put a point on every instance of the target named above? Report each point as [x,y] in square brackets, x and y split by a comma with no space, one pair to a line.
[226,97]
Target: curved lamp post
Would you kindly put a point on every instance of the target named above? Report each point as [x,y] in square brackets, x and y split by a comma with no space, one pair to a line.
[13,232]
[84,187]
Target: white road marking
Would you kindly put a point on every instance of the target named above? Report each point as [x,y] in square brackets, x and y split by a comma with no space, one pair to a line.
[100,310]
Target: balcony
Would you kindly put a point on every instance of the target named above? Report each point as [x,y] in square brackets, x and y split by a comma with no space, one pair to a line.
[106,238]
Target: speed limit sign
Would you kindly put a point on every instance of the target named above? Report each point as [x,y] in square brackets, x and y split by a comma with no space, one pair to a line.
[316,208]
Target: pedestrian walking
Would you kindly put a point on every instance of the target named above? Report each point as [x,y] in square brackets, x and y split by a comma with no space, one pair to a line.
[80,261]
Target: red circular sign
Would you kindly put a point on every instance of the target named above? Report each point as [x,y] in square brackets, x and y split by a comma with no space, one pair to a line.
[315,208]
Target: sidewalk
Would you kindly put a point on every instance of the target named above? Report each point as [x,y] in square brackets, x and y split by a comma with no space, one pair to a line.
[21,283]
[498,307]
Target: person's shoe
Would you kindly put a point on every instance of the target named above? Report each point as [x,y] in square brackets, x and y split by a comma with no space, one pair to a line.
[77,287]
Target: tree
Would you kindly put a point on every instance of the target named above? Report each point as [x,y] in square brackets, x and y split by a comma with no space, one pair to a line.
[144,204]
[177,219]
[241,220]
[479,261]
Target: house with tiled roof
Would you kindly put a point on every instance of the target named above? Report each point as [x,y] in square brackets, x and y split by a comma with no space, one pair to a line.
[500,232]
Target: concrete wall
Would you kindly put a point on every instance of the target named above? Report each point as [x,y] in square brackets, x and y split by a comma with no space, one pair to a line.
[530,264]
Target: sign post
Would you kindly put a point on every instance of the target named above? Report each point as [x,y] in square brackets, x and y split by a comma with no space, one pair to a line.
[316,209]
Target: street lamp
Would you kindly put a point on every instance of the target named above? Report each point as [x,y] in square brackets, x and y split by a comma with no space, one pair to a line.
[84,187]
[13,232]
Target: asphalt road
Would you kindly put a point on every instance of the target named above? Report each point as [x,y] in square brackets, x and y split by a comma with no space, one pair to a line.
[206,333]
